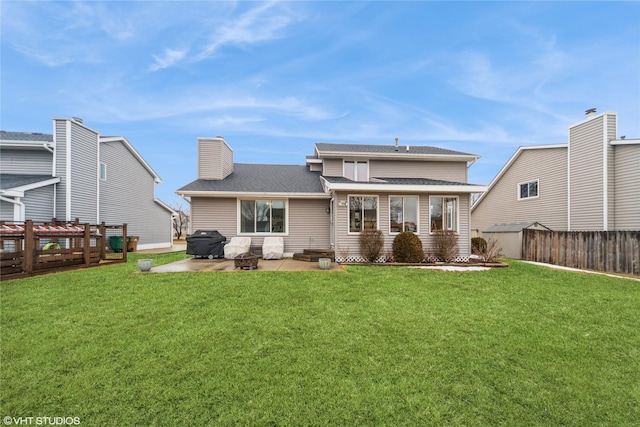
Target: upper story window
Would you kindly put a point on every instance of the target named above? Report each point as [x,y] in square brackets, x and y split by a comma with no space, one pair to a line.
[103,172]
[263,216]
[528,190]
[356,171]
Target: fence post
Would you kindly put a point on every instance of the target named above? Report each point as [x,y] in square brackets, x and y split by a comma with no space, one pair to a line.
[29,249]
[86,250]
[102,240]
[124,242]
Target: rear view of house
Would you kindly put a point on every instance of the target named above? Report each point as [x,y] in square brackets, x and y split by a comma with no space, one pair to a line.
[342,190]
[77,173]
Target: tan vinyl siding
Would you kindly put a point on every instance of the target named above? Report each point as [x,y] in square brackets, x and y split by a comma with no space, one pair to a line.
[127,196]
[332,167]
[214,214]
[586,169]
[627,178]
[611,132]
[501,204]
[26,162]
[308,221]
[447,171]
[308,225]
[215,159]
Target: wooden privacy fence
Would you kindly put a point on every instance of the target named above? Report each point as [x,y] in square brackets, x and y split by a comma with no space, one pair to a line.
[27,249]
[610,251]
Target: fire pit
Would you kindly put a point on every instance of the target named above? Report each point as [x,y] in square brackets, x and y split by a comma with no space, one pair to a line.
[247,261]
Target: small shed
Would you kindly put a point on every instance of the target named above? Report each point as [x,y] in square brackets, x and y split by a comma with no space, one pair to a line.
[509,236]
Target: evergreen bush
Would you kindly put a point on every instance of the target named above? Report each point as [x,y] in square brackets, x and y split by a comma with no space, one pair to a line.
[407,247]
[478,245]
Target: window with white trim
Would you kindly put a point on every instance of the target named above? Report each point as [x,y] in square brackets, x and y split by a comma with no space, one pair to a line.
[528,190]
[103,172]
[443,213]
[363,213]
[263,216]
[403,214]
[356,171]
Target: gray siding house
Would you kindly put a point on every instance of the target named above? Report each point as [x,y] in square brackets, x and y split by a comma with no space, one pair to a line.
[76,173]
[342,190]
[587,184]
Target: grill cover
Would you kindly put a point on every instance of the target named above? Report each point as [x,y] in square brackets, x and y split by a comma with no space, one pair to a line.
[206,243]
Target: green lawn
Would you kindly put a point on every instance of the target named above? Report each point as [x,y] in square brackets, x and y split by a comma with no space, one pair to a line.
[523,345]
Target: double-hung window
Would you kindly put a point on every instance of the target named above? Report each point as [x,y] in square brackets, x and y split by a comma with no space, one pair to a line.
[443,213]
[363,213]
[356,171]
[403,214]
[528,190]
[263,216]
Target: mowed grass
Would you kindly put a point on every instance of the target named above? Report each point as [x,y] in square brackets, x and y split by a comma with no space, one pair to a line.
[519,346]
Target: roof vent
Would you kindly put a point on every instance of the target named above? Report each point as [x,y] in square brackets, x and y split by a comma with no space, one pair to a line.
[396,143]
[590,112]
[77,119]
[407,148]
[623,137]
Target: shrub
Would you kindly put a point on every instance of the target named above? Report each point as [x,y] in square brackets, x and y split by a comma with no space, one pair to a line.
[478,245]
[407,247]
[492,252]
[371,244]
[445,245]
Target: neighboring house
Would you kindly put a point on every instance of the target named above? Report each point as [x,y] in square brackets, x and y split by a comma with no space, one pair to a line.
[76,173]
[587,184]
[342,190]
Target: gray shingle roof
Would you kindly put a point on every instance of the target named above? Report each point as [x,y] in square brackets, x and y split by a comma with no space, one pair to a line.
[386,149]
[8,181]
[393,181]
[256,178]
[25,136]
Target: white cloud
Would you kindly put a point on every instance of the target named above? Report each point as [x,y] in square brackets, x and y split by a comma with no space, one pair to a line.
[168,59]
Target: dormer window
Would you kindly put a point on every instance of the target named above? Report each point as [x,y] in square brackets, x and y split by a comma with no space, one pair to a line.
[356,171]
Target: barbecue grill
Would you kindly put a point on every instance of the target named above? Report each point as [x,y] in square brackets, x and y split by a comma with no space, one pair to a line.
[206,243]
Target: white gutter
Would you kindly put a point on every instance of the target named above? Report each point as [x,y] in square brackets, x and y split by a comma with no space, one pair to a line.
[18,208]
[462,188]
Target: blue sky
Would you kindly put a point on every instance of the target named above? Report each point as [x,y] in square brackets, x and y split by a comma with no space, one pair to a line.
[273,78]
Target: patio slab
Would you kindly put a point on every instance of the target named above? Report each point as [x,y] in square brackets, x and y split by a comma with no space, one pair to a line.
[204,264]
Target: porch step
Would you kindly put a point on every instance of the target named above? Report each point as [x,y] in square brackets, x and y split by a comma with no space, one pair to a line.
[313,255]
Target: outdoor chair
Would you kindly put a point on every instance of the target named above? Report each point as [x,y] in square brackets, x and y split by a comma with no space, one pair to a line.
[236,246]
[273,248]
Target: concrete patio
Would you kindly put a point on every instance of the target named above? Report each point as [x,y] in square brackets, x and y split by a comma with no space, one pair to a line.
[204,264]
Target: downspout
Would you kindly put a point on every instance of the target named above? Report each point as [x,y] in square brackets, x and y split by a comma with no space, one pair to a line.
[190,211]
[605,175]
[17,205]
